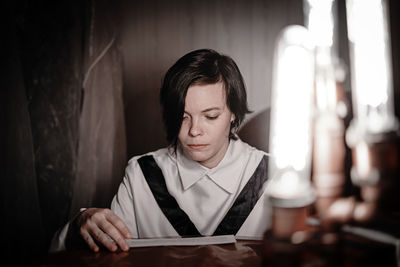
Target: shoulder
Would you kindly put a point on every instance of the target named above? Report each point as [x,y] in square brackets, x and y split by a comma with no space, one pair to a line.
[248,150]
[162,156]
[251,157]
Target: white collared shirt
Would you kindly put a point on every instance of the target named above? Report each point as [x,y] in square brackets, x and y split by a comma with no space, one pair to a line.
[205,195]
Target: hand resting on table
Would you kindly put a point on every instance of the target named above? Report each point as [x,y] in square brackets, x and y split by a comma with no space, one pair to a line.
[96,226]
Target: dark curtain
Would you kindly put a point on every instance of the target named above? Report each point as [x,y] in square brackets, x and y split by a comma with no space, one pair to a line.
[51,55]
[22,230]
[64,138]
[101,156]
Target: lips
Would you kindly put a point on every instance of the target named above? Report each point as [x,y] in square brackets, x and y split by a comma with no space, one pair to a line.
[197,146]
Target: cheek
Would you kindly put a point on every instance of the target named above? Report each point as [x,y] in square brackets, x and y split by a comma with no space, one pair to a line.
[221,131]
[182,131]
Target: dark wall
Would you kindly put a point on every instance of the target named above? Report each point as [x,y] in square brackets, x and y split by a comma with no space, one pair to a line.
[395,37]
[156,33]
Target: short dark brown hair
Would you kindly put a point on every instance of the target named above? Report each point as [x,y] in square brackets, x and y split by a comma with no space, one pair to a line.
[204,66]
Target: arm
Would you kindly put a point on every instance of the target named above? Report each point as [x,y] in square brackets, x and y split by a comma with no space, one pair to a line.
[99,225]
[96,226]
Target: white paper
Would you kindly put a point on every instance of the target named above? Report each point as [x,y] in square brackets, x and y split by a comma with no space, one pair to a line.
[250,238]
[181,241]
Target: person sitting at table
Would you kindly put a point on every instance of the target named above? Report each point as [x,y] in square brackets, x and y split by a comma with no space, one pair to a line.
[206,182]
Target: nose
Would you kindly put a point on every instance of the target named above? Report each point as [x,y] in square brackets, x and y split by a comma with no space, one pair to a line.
[195,128]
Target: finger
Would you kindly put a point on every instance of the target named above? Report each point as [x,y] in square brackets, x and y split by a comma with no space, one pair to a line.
[101,237]
[89,240]
[119,224]
[113,232]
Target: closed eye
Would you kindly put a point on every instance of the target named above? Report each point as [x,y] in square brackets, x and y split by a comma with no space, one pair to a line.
[212,117]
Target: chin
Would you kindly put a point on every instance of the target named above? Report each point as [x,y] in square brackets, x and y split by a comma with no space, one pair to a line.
[198,156]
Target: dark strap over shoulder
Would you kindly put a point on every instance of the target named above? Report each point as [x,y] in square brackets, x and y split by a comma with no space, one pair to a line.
[233,220]
[245,202]
[167,203]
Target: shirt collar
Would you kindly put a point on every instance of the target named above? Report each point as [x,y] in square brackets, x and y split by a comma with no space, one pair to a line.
[226,174]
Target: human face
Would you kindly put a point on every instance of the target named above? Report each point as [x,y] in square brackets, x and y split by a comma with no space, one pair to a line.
[204,133]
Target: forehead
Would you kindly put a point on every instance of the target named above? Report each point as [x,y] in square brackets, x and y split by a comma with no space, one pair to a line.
[205,95]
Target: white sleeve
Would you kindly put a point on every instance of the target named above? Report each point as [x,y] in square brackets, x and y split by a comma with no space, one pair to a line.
[58,241]
[123,202]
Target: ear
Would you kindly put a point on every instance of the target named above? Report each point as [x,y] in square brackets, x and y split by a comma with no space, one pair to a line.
[233,117]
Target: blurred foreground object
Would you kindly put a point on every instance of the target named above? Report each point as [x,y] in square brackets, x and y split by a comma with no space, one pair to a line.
[290,189]
[296,237]
[373,133]
[330,108]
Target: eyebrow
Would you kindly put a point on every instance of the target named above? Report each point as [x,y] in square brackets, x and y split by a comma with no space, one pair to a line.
[211,109]
[206,110]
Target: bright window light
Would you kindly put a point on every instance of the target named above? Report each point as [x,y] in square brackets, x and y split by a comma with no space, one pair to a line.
[320,21]
[292,94]
[371,66]
[291,109]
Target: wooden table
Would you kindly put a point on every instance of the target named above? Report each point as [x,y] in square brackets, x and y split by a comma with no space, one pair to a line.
[242,253]
[349,251]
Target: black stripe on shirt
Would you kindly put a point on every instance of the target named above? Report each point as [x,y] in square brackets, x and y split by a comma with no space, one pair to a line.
[167,203]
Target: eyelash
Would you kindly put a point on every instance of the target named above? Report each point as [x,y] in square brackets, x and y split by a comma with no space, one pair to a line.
[212,117]
[208,117]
